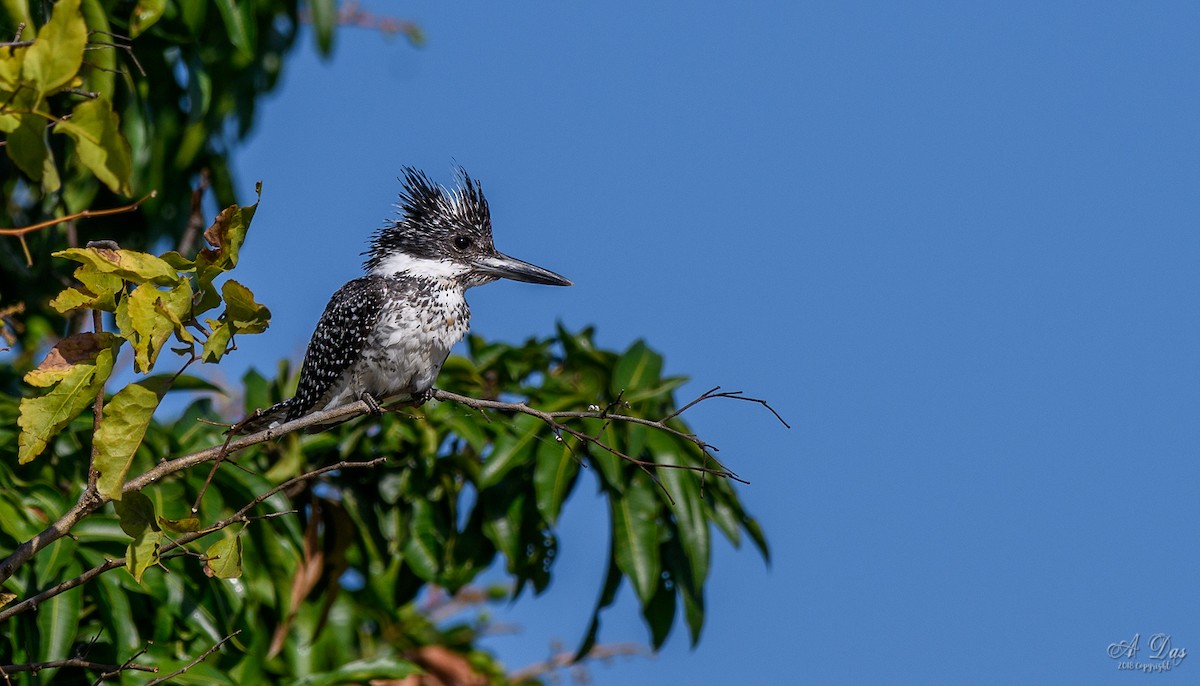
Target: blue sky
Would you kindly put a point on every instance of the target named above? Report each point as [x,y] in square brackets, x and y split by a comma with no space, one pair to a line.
[956,244]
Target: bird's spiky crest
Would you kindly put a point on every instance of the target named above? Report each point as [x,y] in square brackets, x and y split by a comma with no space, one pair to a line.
[428,212]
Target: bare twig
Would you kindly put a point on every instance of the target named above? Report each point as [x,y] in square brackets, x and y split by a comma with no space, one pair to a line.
[36,667]
[91,500]
[564,659]
[124,665]
[84,214]
[193,663]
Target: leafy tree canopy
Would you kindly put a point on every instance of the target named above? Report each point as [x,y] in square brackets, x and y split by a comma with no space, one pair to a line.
[281,557]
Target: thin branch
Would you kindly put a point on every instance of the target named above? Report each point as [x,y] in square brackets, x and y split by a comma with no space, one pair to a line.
[193,663]
[90,500]
[565,659]
[97,411]
[36,667]
[85,214]
[124,665]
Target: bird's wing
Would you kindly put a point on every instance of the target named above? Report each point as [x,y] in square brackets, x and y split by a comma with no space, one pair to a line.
[338,342]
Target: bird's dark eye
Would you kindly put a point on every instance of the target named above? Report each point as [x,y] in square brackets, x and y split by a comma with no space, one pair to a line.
[462,242]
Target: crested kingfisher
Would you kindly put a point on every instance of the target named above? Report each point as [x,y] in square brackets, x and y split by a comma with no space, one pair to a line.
[388,333]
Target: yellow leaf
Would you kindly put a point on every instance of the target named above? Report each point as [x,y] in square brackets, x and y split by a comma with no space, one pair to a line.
[57,52]
[80,348]
[151,316]
[99,143]
[180,526]
[43,417]
[98,292]
[126,417]
[223,559]
[246,315]
[131,265]
[11,61]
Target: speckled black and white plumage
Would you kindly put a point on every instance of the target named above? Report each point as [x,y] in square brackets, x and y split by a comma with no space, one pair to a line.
[387,334]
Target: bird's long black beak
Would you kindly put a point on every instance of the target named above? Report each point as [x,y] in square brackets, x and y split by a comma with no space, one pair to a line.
[505,267]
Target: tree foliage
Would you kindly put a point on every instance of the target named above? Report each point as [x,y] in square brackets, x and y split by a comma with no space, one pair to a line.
[298,558]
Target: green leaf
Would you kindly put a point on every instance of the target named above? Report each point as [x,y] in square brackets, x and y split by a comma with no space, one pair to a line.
[239,22]
[635,535]
[26,145]
[145,14]
[217,343]
[44,416]
[58,622]
[131,265]
[246,315]
[13,59]
[151,316]
[57,53]
[324,19]
[101,147]
[638,367]
[180,526]
[659,614]
[125,419]
[223,559]
[691,592]
[554,472]
[136,514]
[511,449]
[98,292]
[423,549]
[684,488]
[361,671]
[503,514]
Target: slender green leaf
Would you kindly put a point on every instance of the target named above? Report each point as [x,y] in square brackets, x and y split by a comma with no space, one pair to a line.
[512,449]
[361,671]
[324,20]
[554,472]
[684,488]
[635,534]
[239,22]
[58,623]
[426,541]
[144,15]
[638,367]
[659,614]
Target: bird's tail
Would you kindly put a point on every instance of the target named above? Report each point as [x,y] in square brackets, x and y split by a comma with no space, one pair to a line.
[264,418]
